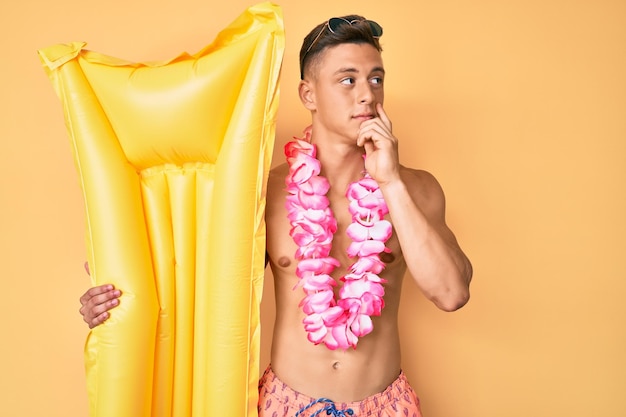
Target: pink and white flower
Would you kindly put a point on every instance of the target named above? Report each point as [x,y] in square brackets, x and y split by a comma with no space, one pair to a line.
[336,323]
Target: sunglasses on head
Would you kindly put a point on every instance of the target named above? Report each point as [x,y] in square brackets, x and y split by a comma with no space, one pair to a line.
[334,23]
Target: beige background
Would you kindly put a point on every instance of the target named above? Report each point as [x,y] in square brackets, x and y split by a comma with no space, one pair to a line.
[518,107]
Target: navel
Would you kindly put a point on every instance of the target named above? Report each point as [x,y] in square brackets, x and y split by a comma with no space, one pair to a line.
[336,365]
[284,261]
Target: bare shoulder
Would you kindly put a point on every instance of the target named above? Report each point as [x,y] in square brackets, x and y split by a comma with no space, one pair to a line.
[276,180]
[420,181]
[424,189]
[280,170]
[276,185]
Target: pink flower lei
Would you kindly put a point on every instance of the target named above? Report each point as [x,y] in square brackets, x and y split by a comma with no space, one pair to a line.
[336,323]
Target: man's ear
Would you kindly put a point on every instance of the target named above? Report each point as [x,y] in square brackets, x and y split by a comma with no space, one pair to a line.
[307,94]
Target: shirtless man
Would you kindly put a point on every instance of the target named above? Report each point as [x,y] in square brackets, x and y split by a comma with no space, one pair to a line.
[343,87]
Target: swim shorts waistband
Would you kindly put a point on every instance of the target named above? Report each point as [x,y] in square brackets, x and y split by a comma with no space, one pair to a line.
[275,396]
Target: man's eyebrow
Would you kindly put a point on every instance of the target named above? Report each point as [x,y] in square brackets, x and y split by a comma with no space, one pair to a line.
[346,69]
[355,71]
[379,69]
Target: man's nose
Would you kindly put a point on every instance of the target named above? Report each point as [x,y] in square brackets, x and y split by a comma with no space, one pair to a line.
[365,94]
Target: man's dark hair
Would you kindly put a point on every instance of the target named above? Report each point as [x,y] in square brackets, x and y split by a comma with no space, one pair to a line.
[321,38]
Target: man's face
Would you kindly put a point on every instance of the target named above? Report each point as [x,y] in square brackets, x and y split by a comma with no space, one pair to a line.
[346,83]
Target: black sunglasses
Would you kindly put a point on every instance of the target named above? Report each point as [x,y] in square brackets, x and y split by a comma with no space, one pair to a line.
[334,23]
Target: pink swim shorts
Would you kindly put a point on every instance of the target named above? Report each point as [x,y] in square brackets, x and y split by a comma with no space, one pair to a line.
[276,399]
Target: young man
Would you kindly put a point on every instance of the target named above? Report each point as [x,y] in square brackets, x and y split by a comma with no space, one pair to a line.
[335,349]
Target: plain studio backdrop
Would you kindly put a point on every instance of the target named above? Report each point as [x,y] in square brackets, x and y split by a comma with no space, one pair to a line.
[517,107]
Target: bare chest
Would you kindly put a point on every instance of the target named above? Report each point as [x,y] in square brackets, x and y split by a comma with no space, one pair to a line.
[281,247]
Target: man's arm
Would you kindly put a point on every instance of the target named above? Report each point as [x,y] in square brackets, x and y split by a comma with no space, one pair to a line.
[417,208]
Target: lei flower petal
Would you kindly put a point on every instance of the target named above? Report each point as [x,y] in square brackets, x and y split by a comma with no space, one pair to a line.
[317,302]
[365,264]
[304,168]
[342,336]
[313,201]
[362,325]
[317,265]
[366,248]
[355,288]
[316,185]
[381,230]
[316,335]
[357,232]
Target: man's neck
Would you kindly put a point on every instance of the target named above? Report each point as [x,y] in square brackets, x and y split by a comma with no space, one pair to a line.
[341,163]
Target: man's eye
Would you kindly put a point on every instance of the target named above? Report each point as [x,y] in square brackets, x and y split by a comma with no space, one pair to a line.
[377,80]
[347,81]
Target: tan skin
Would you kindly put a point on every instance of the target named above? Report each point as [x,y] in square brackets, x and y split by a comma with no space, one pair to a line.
[344,92]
